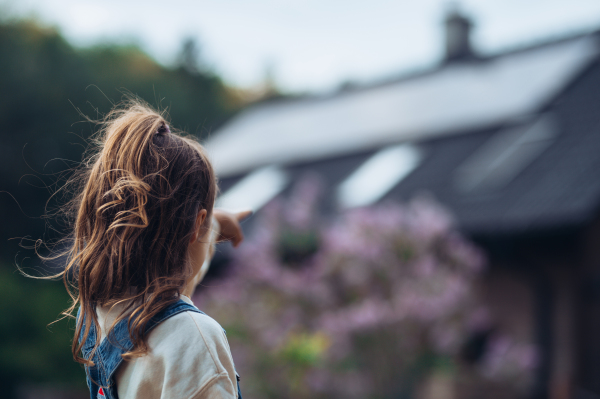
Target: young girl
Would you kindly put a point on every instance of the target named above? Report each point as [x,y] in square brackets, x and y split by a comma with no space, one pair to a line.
[143,236]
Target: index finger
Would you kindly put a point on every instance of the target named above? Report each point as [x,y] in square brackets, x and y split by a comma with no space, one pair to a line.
[243,215]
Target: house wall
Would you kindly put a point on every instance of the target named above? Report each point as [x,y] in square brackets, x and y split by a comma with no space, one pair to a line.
[564,279]
[510,299]
[588,314]
[532,291]
[507,292]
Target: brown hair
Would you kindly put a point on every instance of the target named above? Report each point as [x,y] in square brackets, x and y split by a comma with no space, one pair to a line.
[134,218]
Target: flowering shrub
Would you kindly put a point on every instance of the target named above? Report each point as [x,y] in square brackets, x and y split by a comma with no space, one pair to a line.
[364,305]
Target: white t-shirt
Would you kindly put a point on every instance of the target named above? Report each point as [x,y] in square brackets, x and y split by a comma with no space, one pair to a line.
[188,357]
[188,354]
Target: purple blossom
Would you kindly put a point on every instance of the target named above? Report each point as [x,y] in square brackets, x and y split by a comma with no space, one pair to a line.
[390,269]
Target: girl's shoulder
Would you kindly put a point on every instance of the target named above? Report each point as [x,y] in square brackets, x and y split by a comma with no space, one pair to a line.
[192,325]
[188,351]
[190,332]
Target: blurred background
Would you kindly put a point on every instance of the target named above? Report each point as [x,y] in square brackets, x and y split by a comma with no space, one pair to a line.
[424,177]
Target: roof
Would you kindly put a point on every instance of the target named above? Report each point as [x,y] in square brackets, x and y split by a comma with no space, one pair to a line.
[455,98]
[535,169]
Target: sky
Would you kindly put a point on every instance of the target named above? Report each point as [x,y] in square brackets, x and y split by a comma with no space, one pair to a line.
[308,45]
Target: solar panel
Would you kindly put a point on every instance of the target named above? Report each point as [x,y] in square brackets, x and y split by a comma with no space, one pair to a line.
[454,99]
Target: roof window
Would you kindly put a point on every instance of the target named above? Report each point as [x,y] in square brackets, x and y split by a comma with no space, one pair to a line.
[378,175]
[505,155]
[255,190]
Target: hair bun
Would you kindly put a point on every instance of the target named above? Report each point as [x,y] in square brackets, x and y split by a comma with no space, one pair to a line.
[164,129]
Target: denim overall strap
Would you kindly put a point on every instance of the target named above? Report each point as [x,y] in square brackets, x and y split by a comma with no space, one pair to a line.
[107,358]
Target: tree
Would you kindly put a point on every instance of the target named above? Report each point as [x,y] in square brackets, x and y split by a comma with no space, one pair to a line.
[368,304]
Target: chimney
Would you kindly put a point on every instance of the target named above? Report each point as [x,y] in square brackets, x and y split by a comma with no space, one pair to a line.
[458,36]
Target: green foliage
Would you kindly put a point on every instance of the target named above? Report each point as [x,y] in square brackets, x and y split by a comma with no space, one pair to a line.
[31,350]
[297,246]
[44,81]
[305,350]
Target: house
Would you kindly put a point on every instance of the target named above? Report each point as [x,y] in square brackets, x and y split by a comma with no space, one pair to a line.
[510,143]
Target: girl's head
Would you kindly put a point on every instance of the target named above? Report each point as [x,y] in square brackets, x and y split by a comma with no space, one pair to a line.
[136,215]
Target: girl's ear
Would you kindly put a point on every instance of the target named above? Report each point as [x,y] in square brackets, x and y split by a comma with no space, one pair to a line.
[200,219]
